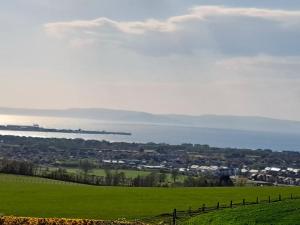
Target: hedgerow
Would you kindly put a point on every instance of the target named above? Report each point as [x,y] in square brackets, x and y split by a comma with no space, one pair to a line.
[11,220]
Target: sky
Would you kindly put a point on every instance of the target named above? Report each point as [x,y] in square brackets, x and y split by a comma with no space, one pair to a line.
[237,57]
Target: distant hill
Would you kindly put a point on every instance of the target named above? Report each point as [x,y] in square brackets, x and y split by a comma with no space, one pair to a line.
[245,123]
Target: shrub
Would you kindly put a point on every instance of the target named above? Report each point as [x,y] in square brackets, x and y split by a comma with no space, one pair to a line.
[11,220]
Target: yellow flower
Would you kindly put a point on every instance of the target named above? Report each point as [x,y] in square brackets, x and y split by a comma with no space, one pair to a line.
[12,220]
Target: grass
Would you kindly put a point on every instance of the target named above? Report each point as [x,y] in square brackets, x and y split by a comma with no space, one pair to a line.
[128,173]
[278,213]
[29,196]
[101,172]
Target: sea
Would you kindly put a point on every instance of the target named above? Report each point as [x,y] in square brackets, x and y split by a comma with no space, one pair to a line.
[158,133]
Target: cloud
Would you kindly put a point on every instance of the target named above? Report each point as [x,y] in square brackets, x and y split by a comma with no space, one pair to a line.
[58,29]
[172,24]
[219,29]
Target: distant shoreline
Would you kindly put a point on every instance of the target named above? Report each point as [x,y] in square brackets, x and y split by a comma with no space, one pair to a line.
[36,128]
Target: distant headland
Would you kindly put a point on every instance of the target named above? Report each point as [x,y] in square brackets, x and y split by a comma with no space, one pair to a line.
[37,128]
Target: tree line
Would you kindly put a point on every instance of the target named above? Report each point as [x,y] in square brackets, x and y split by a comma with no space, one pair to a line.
[111,177]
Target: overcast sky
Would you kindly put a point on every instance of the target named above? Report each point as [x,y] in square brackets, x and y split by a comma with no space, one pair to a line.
[239,57]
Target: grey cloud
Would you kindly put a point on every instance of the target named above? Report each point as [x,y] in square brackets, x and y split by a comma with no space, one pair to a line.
[233,31]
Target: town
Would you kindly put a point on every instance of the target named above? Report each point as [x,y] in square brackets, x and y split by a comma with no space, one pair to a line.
[259,167]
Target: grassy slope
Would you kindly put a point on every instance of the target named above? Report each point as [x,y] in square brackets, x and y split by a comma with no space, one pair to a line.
[279,213]
[27,196]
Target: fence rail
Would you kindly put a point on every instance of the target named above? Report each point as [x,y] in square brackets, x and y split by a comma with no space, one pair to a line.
[177,216]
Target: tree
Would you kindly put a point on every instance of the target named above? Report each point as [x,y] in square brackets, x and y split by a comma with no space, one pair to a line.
[86,166]
[174,175]
[115,178]
[151,180]
[241,181]
[108,177]
[122,178]
[225,181]
[189,181]
[137,181]
[118,178]
[162,178]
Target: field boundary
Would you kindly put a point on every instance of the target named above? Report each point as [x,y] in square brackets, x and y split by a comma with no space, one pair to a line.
[178,216]
[13,220]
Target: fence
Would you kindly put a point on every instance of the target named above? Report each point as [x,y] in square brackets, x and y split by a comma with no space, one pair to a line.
[178,216]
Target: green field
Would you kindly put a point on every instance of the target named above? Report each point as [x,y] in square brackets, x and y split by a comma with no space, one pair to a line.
[29,196]
[101,172]
[128,173]
[278,213]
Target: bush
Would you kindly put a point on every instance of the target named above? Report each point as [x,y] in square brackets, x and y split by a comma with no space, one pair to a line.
[11,220]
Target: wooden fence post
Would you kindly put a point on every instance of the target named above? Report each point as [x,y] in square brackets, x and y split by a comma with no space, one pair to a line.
[256,200]
[244,202]
[203,207]
[174,217]
[218,205]
[269,199]
[231,204]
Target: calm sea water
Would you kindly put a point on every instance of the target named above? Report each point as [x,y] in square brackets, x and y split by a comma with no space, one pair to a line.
[156,133]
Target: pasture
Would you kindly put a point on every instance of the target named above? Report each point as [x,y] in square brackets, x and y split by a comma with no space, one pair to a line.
[37,197]
[128,173]
[284,212]
[101,172]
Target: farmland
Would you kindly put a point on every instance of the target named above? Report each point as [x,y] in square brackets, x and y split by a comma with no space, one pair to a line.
[128,173]
[29,196]
[101,172]
[285,212]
